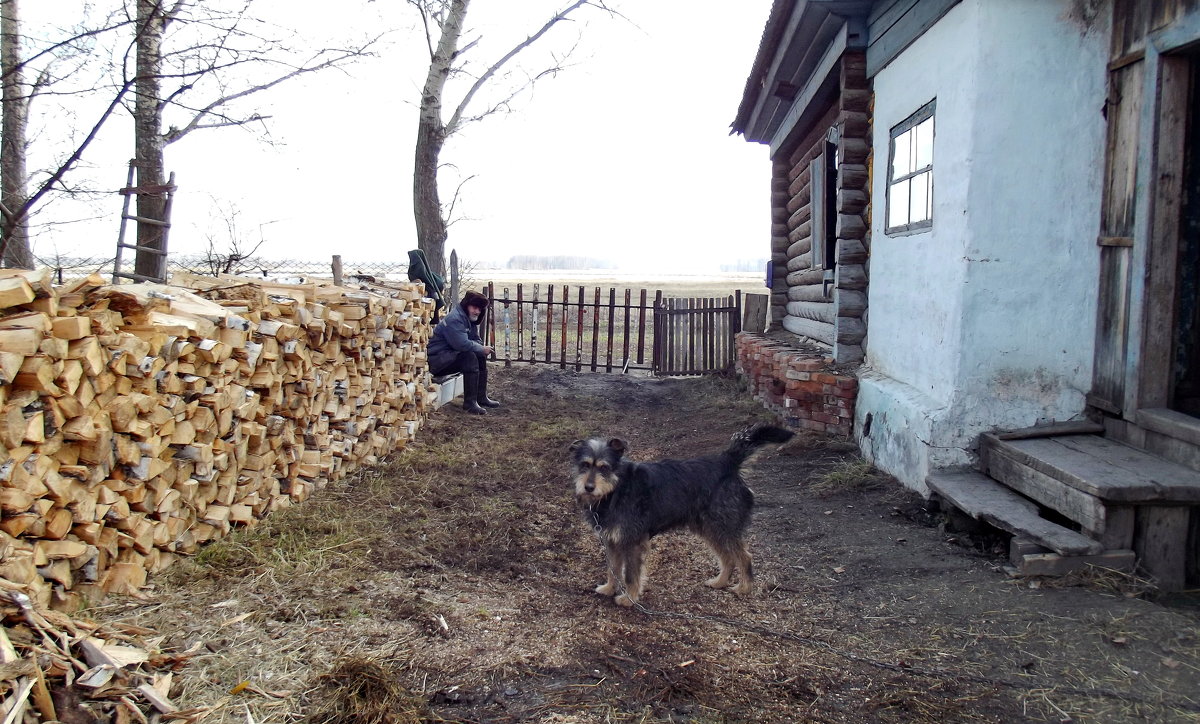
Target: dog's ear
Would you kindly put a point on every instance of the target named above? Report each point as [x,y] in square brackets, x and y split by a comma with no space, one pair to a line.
[575,446]
[618,446]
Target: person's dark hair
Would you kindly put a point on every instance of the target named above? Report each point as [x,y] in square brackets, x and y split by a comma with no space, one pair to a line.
[474,299]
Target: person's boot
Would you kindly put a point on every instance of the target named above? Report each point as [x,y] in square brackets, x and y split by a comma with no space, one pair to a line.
[482,398]
[471,394]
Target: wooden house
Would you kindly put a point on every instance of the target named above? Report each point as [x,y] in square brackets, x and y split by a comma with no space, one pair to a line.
[994,207]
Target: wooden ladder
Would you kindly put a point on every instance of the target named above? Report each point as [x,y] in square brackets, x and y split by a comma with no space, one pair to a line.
[163,225]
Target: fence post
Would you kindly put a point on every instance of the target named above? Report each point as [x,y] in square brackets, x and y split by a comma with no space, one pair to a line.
[337,270]
[453,278]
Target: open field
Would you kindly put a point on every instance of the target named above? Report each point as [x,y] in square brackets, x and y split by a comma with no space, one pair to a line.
[677,285]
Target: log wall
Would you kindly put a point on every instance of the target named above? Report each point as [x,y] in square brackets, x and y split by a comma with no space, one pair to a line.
[139,421]
[799,298]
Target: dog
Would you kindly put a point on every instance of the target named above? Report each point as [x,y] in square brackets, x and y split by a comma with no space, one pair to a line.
[628,503]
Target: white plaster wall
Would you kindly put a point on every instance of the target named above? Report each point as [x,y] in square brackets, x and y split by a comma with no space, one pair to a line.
[916,281]
[1033,263]
[988,319]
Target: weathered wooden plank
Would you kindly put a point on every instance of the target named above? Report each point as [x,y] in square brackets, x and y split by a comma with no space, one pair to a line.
[1085,509]
[984,499]
[1161,544]
[1053,564]
[1106,469]
[1179,484]
[1073,427]
[1112,330]
[896,28]
[1163,250]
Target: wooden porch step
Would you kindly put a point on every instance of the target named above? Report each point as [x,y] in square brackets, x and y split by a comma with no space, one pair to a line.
[1030,559]
[985,499]
[1093,465]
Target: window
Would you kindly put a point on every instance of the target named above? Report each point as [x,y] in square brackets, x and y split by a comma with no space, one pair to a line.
[910,176]
[823,202]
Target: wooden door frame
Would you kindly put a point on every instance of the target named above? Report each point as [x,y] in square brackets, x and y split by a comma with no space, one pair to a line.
[1172,90]
[1171,56]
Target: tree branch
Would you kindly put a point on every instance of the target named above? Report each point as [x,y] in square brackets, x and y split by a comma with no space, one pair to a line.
[456,119]
[196,122]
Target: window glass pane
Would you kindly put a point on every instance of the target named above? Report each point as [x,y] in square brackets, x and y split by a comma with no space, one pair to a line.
[924,143]
[898,204]
[920,197]
[902,157]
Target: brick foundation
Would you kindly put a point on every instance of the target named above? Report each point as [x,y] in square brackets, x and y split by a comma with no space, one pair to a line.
[803,387]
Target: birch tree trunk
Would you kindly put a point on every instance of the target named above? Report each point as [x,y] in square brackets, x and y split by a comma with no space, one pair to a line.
[431,137]
[14,231]
[148,138]
[433,129]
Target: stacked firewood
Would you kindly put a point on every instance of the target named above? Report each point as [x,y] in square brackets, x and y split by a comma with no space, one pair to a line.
[56,668]
[138,422]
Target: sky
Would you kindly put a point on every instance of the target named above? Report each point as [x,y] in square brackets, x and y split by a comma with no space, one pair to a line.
[625,156]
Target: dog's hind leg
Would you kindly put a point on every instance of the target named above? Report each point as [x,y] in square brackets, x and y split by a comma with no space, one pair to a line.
[745,569]
[634,556]
[728,561]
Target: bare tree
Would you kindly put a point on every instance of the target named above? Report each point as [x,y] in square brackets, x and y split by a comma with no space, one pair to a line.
[210,65]
[12,154]
[446,19]
[18,202]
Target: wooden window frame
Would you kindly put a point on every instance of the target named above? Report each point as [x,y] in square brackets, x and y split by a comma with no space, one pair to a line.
[822,173]
[924,113]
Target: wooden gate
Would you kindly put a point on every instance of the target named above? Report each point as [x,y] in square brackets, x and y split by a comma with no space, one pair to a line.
[695,336]
[588,330]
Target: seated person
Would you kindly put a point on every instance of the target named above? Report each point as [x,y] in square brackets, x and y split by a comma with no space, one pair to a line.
[457,347]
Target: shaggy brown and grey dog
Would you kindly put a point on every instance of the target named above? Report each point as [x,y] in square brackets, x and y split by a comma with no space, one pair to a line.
[628,503]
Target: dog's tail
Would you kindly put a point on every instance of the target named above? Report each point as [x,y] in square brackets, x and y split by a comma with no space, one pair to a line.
[747,441]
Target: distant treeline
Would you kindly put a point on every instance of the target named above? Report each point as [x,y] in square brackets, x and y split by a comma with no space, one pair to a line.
[745,265]
[528,261]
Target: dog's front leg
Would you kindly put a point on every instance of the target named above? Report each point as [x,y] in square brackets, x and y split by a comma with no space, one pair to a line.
[634,557]
[614,572]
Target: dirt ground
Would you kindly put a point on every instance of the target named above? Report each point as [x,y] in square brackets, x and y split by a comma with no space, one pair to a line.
[454,583]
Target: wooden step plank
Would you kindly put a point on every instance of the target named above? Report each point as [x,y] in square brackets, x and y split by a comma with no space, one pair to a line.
[1083,508]
[1053,564]
[1178,483]
[1103,468]
[1074,427]
[985,499]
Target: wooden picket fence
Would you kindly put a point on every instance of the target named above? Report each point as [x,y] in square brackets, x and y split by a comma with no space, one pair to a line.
[572,327]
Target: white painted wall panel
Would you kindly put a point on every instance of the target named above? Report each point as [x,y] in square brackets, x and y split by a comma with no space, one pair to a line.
[987,320]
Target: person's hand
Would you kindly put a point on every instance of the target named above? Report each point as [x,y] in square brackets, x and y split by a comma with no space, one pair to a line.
[487,350]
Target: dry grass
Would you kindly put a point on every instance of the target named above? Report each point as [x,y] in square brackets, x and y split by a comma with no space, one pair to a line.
[364,691]
[453,583]
[849,476]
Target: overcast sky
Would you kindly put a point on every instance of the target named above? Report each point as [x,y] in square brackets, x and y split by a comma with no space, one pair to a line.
[625,156]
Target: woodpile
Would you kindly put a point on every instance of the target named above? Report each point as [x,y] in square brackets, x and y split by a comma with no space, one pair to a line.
[58,668]
[138,422]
